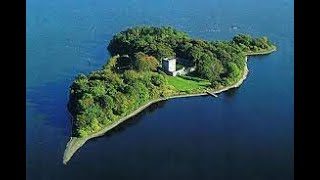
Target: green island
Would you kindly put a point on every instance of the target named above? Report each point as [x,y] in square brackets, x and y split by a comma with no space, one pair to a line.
[151,64]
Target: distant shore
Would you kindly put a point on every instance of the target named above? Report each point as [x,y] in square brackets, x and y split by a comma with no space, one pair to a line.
[75,143]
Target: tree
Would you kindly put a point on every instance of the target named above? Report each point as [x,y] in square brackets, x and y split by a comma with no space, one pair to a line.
[142,91]
[120,104]
[233,70]
[111,64]
[243,39]
[217,69]
[144,62]
[106,101]
[97,88]
[158,79]
[130,76]
[164,51]
[86,101]
[204,66]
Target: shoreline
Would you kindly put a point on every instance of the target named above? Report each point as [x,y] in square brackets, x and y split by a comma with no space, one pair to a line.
[75,143]
[269,51]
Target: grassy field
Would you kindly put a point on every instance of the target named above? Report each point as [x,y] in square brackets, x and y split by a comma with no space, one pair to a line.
[183,85]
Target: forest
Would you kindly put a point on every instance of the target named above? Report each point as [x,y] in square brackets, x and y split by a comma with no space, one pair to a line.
[133,76]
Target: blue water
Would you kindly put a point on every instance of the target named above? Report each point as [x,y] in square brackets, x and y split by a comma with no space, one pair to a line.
[246,133]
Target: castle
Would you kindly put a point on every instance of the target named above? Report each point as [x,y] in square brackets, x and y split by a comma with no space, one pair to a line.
[169,66]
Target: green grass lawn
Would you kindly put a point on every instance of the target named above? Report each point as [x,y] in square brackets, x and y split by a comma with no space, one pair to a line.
[183,85]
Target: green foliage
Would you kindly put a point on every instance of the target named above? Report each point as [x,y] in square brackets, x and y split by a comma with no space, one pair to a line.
[158,80]
[142,91]
[111,64]
[97,88]
[106,101]
[159,42]
[130,76]
[120,104]
[233,70]
[105,95]
[248,44]
[143,62]
[86,101]
[129,79]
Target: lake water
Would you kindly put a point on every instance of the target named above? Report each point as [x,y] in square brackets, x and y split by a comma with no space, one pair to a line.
[245,133]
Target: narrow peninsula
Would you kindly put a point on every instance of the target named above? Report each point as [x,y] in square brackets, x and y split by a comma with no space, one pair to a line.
[151,64]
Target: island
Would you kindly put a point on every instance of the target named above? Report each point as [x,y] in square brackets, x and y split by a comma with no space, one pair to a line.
[152,64]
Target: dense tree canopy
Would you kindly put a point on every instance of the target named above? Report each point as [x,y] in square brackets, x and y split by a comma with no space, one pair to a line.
[131,78]
[155,41]
[211,58]
[247,43]
[100,97]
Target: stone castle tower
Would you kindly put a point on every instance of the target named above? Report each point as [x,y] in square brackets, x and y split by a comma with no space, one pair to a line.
[169,65]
